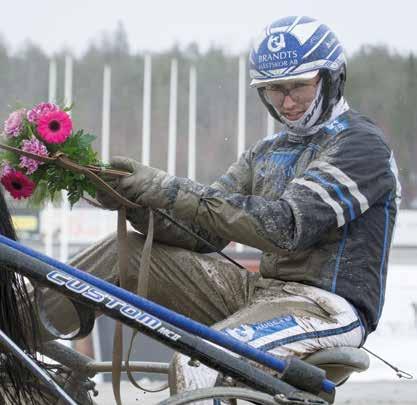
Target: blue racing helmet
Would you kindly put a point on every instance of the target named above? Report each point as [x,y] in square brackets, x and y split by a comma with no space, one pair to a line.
[298,47]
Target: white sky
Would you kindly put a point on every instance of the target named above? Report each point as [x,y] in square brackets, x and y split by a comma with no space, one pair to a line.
[156,25]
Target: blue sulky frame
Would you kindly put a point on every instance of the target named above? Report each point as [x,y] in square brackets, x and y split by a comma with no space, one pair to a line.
[299,380]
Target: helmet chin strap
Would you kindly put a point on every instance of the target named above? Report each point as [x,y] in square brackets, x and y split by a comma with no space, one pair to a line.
[304,126]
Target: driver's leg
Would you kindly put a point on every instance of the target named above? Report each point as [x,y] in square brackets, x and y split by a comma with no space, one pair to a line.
[199,286]
[284,319]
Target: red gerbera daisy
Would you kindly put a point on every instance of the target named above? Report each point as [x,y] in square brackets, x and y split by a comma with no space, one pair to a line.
[17,184]
[55,126]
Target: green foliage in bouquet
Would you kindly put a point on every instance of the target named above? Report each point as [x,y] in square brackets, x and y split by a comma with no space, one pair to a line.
[51,179]
[45,131]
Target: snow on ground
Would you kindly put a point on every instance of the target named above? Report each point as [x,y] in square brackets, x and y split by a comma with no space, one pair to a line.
[365,393]
[395,339]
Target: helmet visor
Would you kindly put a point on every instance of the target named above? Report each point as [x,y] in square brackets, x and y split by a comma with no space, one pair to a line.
[275,80]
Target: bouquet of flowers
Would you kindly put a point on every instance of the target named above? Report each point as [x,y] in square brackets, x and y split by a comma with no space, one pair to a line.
[33,138]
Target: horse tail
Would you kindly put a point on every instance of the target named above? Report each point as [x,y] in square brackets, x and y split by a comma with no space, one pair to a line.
[18,321]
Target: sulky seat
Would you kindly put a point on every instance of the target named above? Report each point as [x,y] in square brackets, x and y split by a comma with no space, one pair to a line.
[340,362]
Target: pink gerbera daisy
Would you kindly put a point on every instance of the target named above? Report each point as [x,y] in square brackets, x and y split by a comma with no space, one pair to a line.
[17,184]
[55,127]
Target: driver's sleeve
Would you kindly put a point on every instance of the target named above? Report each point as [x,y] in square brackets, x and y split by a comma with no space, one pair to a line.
[237,179]
[352,173]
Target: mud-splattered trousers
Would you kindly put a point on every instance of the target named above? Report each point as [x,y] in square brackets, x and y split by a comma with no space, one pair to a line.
[283,318]
[321,209]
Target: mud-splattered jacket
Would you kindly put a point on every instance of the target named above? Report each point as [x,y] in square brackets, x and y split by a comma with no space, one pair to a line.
[322,210]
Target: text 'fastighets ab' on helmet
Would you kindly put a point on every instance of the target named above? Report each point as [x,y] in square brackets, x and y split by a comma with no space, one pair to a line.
[298,47]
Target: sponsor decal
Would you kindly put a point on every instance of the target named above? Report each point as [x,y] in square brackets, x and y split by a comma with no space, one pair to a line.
[276,42]
[336,127]
[275,55]
[99,296]
[249,332]
[244,333]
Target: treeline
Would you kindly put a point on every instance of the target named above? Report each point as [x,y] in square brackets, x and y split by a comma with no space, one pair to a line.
[381,84]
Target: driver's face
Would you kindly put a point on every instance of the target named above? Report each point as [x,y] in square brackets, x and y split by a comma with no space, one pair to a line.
[293,98]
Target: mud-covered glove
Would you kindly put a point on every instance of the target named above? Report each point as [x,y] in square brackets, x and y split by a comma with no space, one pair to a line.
[146,186]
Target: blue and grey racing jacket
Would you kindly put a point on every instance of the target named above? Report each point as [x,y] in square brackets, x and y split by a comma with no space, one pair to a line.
[322,210]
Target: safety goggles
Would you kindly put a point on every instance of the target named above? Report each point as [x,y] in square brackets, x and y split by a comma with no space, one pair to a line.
[299,93]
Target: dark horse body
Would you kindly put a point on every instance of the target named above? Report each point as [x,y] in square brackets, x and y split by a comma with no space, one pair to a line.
[18,321]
